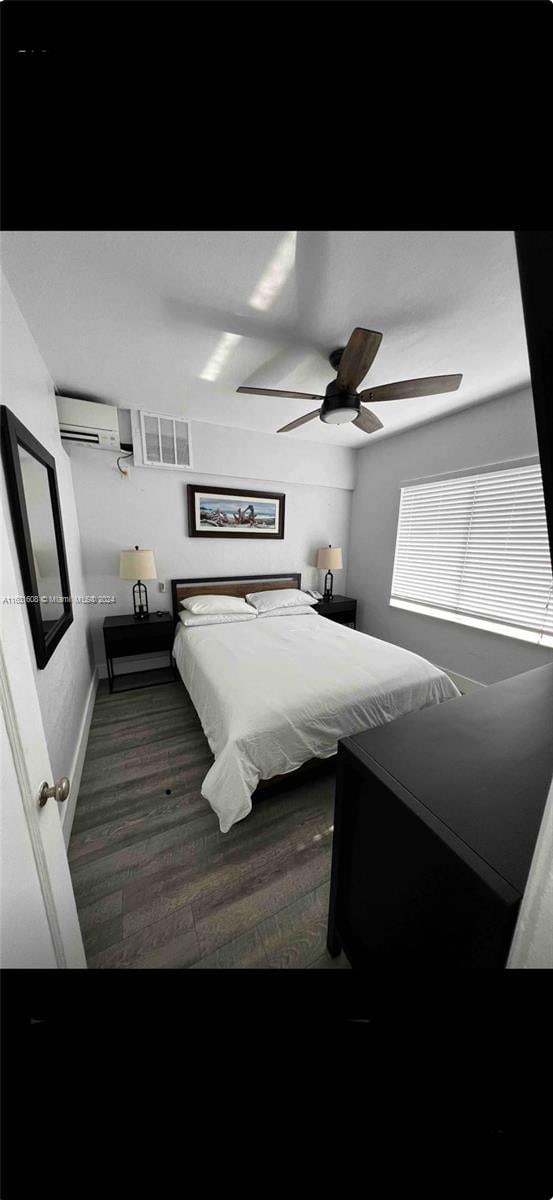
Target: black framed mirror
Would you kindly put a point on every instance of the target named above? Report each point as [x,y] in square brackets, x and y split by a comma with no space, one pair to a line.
[34,501]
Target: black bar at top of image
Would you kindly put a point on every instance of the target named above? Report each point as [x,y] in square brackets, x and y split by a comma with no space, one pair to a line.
[147,114]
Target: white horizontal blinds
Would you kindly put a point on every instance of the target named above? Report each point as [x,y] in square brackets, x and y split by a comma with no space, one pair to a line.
[477,546]
[507,571]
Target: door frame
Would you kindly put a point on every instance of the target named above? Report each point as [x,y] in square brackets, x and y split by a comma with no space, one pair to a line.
[30,809]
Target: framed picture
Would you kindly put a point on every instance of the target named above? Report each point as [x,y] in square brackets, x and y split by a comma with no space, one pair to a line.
[229,512]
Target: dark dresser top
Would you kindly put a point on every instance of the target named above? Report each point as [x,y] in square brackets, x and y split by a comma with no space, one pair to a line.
[481,763]
[336,602]
[130,619]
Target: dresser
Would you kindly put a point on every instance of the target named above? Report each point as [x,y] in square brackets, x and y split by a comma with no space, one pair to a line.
[436,820]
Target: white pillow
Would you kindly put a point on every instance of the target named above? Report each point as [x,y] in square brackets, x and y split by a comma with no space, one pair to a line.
[293,610]
[215,604]
[279,598]
[188,618]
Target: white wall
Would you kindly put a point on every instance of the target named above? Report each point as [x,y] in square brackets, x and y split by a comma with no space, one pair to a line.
[149,509]
[280,458]
[502,429]
[63,685]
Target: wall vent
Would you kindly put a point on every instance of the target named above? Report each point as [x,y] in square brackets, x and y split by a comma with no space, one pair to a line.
[161,441]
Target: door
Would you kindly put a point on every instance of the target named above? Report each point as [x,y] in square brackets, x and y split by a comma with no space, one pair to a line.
[39,923]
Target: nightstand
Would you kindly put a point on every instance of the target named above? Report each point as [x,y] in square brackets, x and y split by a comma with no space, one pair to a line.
[125,636]
[341,609]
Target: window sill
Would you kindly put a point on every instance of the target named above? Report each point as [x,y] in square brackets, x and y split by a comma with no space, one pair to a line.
[511,631]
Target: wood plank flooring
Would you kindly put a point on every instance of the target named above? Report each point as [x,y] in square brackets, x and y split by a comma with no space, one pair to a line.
[157,884]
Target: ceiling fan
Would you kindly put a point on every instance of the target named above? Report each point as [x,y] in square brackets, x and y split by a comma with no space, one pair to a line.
[342,402]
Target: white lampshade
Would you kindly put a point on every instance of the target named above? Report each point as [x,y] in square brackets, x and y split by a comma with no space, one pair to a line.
[330,558]
[137,564]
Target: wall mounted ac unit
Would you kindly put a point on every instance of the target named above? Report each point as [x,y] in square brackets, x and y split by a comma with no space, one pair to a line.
[161,441]
[88,422]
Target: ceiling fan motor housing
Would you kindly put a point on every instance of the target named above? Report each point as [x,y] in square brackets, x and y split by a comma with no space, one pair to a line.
[335,358]
[339,406]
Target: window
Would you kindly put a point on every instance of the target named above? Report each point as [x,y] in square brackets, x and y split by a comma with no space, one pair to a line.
[473,548]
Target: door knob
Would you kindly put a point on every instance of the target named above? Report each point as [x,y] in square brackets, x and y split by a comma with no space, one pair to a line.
[60,790]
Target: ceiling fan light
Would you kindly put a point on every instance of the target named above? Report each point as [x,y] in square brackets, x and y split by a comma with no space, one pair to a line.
[339,416]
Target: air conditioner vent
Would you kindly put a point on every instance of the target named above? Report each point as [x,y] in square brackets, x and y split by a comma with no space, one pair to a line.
[161,441]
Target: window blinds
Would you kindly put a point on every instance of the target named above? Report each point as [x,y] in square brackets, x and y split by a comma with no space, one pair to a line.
[474,549]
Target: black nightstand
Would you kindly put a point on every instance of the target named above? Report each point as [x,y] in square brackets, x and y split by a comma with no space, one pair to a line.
[341,609]
[125,636]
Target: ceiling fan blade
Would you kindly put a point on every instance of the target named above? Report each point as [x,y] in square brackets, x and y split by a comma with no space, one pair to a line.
[358,355]
[244,324]
[432,385]
[367,421]
[300,421]
[276,370]
[258,391]
[312,275]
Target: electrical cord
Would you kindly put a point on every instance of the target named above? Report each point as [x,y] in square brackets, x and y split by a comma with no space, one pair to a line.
[122,469]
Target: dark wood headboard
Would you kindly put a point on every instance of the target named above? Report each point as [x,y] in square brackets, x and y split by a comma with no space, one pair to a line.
[228,585]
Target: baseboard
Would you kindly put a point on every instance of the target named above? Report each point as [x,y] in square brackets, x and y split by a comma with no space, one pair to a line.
[464,684]
[78,760]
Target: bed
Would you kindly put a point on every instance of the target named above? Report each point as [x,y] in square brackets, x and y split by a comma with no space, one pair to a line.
[274,694]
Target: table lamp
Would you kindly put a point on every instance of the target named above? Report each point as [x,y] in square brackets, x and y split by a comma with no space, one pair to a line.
[331,558]
[138,564]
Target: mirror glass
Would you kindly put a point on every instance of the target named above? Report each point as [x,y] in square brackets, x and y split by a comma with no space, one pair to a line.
[43,537]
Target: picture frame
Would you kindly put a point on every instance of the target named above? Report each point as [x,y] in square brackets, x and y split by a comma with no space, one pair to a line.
[235,512]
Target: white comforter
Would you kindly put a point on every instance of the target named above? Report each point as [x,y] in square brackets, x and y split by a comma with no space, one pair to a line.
[274,692]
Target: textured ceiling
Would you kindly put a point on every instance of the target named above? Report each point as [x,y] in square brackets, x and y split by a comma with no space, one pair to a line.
[139,319]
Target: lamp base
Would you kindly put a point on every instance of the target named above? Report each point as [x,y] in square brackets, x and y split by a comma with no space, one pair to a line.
[140,601]
[328,586]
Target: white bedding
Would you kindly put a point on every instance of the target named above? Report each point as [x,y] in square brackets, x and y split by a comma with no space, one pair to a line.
[272,694]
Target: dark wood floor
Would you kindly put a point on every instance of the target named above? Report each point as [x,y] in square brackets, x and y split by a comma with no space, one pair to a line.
[157,884]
